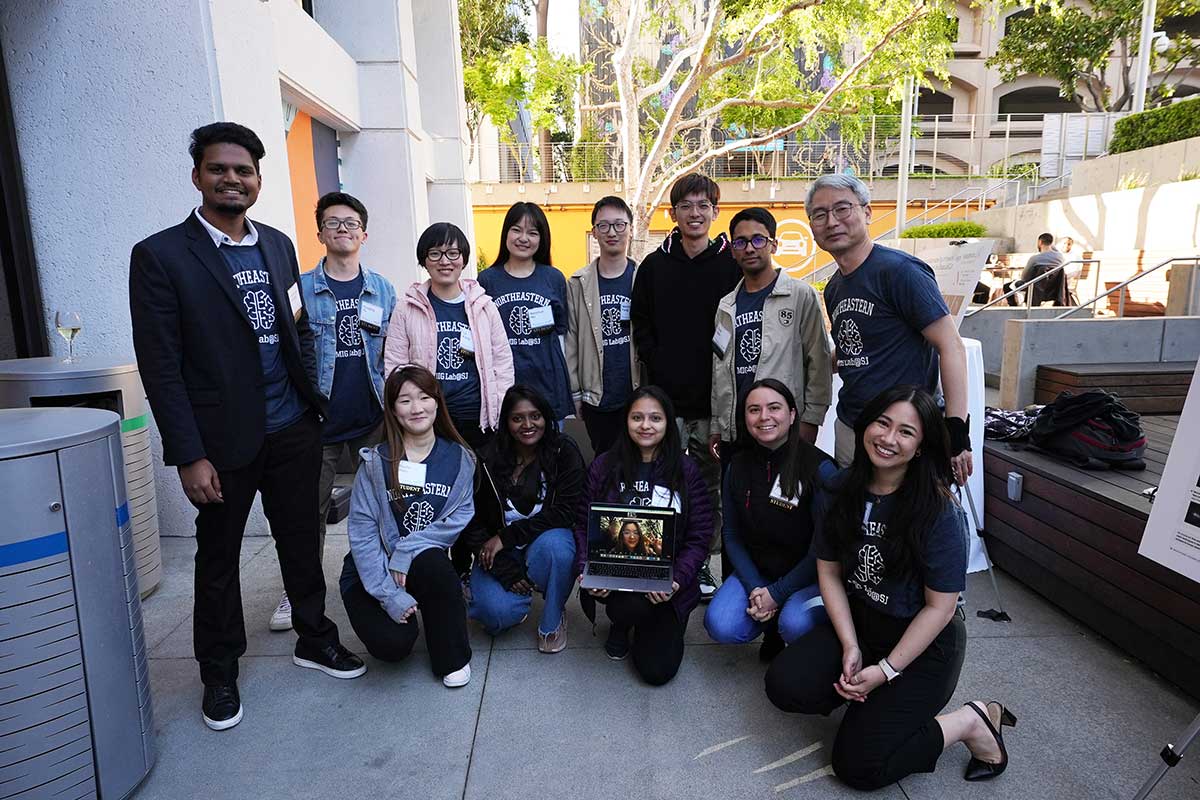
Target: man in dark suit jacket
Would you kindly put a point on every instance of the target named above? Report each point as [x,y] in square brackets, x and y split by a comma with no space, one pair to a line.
[226,354]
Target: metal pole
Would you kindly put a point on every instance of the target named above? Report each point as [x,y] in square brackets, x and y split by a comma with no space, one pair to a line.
[1170,756]
[933,176]
[1143,62]
[906,114]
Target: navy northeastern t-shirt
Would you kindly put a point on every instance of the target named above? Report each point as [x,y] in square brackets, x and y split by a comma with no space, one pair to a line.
[942,565]
[419,509]
[747,333]
[253,281]
[618,383]
[538,359]
[353,409]
[456,371]
[877,315]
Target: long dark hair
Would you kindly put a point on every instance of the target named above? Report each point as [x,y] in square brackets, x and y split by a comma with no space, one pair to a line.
[643,545]
[516,213]
[394,434]
[800,459]
[624,457]
[922,495]
[501,452]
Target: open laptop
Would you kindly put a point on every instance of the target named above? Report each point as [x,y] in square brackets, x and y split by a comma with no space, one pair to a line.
[630,548]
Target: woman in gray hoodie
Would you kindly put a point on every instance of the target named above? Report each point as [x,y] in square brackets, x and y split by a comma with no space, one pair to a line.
[413,495]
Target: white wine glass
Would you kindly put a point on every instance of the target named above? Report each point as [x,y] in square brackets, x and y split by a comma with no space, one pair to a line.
[68,324]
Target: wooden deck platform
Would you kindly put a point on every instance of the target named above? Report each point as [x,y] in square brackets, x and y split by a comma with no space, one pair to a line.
[1073,537]
[1147,388]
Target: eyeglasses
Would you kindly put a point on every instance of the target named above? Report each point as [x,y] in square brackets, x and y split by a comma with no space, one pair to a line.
[839,211]
[685,206]
[436,256]
[605,227]
[758,240]
[333,223]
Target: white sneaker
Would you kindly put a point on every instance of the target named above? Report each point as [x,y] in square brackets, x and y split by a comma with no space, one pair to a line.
[281,620]
[460,677]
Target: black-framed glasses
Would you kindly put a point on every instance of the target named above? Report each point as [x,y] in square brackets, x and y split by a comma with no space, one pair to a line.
[758,240]
[686,206]
[437,256]
[839,211]
[333,223]
[604,227]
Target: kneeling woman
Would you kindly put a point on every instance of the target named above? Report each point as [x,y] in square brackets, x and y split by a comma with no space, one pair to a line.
[646,466]
[413,495]
[891,561]
[537,474]
[768,526]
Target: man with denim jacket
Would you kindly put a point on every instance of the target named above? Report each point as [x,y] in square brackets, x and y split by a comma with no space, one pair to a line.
[348,307]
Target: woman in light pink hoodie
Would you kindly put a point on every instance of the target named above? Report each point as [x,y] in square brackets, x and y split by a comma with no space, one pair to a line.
[450,326]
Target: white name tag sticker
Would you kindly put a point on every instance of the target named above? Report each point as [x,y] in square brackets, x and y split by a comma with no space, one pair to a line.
[662,497]
[720,340]
[625,310]
[294,300]
[410,476]
[466,342]
[370,316]
[778,499]
[541,318]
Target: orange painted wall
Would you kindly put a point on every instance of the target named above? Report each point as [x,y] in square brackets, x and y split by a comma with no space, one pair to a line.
[303,177]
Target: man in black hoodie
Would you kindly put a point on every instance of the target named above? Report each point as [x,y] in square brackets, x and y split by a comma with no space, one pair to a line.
[675,296]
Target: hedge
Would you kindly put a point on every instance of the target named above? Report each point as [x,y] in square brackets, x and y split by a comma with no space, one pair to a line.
[1157,126]
[945,230]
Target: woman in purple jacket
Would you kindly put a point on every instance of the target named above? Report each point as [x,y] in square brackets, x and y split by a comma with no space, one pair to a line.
[646,466]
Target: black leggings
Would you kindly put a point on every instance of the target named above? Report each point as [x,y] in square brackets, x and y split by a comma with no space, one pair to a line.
[893,733]
[433,582]
[657,634]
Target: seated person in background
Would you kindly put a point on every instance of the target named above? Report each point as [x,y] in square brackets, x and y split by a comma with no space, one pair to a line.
[1052,289]
[891,560]
[412,498]
[537,474]
[768,525]
[647,467]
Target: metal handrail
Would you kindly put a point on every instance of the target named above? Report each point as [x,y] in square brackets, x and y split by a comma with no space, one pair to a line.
[1025,287]
[1123,284]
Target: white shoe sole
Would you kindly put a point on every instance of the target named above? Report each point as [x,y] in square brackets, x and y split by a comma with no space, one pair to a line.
[333,673]
[223,724]
[457,683]
[280,625]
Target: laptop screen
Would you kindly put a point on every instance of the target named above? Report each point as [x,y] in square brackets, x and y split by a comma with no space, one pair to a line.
[631,534]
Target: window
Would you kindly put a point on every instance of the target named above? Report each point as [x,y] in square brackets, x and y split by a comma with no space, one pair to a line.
[933,102]
[1028,12]
[1035,100]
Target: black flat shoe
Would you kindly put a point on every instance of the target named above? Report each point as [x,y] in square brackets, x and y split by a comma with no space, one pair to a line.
[981,770]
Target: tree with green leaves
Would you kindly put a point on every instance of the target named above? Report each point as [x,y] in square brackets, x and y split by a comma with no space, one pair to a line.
[1092,52]
[487,30]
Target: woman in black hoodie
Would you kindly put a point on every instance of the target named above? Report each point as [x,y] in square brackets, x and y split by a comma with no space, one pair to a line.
[532,482]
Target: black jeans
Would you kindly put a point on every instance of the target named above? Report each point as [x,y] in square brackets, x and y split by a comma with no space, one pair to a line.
[657,634]
[603,427]
[433,582]
[893,733]
[477,439]
[286,472]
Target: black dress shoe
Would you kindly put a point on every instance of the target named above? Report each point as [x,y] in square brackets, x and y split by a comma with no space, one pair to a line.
[981,770]
[772,643]
[617,644]
[222,707]
[332,659]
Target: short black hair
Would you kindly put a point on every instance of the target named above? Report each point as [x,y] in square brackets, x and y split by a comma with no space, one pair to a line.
[225,133]
[695,183]
[440,233]
[753,214]
[611,201]
[340,199]
[1046,239]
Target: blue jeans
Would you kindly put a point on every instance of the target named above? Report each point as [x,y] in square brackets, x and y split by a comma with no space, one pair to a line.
[549,561]
[727,622]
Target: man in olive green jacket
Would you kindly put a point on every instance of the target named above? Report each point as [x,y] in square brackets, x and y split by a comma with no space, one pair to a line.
[769,326]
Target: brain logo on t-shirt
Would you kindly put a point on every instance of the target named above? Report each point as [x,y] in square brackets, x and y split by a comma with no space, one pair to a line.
[751,344]
[260,309]
[448,356]
[518,321]
[870,565]
[418,515]
[610,322]
[348,331]
[849,340]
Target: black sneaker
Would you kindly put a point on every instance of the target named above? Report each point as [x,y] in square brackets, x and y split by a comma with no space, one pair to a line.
[222,707]
[332,659]
[772,644]
[617,643]
[708,584]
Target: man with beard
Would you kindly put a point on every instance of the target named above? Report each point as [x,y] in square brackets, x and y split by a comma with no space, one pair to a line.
[226,354]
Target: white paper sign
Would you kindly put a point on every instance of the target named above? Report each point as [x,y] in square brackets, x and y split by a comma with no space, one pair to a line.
[957,269]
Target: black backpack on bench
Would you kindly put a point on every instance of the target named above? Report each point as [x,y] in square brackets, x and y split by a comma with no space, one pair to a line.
[1092,430]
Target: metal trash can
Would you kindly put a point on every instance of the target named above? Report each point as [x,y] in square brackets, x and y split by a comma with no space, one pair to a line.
[113,386]
[77,718]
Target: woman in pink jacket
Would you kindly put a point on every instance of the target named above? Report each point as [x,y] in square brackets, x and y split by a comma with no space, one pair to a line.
[450,326]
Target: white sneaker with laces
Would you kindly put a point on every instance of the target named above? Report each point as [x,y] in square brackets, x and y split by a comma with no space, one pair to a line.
[281,619]
[460,677]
